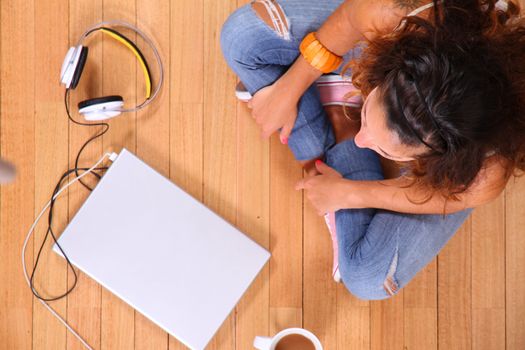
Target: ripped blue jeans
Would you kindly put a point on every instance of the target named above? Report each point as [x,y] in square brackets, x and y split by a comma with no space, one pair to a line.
[380,251]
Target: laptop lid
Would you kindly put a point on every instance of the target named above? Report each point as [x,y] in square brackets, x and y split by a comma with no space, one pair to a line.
[162,251]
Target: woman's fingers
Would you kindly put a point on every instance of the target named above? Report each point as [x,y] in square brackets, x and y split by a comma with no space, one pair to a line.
[324,169]
[312,197]
[300,185]
[267,132]
[286,130]
[305,184]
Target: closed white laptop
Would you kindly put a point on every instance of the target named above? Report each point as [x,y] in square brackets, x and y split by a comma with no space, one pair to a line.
[161,251]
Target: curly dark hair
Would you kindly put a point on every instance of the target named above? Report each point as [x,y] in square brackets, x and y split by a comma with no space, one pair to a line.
[456,84]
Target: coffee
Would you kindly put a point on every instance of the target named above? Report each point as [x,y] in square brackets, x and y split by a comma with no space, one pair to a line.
[295,342]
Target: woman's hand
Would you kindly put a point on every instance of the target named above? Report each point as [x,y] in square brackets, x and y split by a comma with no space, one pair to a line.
[274,108]
[328,191]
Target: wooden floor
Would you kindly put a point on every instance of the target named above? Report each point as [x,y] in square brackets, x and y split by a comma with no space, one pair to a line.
[471,297]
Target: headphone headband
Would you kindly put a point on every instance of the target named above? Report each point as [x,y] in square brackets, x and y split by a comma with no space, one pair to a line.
[103,26]
[118,23]
[140,57]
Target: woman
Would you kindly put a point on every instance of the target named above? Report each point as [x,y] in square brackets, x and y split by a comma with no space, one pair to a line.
[443,96]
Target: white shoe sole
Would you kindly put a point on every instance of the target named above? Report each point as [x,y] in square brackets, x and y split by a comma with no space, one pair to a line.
[241,93]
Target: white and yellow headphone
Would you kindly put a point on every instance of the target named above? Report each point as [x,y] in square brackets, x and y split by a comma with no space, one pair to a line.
[106,107]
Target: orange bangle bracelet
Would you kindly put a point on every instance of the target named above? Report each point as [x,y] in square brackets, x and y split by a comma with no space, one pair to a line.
[319,56]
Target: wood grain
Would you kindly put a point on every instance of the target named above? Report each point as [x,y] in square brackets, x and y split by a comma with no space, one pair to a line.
[320,290]
[471,297]
[51,160]
[488,275]
[421,310]
[17,61]
[286,240]
[353,321]
[515,264]
[387,323]
[420,328]
[454,292]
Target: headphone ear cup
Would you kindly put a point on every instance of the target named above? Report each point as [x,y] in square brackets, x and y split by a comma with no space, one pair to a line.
[101,108]
[79,67]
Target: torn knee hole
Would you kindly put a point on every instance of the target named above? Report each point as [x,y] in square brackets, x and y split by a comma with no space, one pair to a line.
[389,284]
[273,15]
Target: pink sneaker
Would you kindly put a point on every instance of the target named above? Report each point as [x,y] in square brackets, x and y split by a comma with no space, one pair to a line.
[330,223]
[333,88]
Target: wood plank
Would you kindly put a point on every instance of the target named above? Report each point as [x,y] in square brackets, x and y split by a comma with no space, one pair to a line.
[515,264]
[220,129]
[84,303]
[420,328]
[286,228]
[488,329]
[353,321]
[284,317]
[17,61]
[220,122]
[253,218]
[488,252]
[420,307]
[286,239]
[186,147]
[421,292]
[488,274]
[319,288]
[186,111]
[454,292]
[51,160]
[153,128]
[188,50]
[119,67]
[387,323]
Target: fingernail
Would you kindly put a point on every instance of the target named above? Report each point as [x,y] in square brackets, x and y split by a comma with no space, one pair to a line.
[284,140]
[318,161]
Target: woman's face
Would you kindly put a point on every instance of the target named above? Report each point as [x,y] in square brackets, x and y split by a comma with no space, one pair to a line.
[374,133]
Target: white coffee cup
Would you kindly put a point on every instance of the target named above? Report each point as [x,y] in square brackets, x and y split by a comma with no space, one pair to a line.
[267,343]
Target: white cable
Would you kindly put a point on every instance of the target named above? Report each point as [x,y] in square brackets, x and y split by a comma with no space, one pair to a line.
[30,233]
